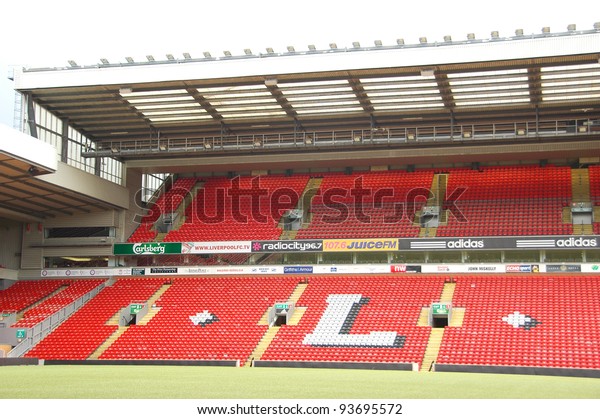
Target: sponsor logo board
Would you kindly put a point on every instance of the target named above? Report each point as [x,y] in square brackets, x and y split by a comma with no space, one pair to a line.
[360,245]
[287,246]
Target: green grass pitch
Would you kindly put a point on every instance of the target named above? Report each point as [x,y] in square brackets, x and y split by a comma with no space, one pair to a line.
[167,382]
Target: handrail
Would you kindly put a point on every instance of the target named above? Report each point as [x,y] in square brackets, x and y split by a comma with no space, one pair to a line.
[344,138]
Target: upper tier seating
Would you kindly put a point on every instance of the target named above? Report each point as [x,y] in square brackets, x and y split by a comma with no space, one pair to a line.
[26,293]
[594,172]
[166,203]
[74,290]
[388,308]
[500,201]
[388,207]
[205,319]
[529,321]
[243,208]
[82,333]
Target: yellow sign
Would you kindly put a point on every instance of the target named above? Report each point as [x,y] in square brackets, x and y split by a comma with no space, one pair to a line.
[360,245]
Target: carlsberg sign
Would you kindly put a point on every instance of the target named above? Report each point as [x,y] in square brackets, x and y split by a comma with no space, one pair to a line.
[147,249]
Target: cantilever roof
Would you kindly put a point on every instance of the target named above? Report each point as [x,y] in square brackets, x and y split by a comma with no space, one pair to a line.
[549,76]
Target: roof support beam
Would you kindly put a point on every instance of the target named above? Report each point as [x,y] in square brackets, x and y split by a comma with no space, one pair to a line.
[445,90]
[361,95]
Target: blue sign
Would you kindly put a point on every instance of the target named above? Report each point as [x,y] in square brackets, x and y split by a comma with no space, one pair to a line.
[297,269]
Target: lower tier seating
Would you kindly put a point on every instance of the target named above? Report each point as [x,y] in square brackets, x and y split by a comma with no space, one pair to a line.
[26,293]
[205,319]
[82,333]
[530,321]
[359,319]
[74,290]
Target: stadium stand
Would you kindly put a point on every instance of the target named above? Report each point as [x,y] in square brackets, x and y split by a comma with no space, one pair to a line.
[81,334]
[204,319]
[502,201]
[228,203]
[387,209]
[166,202]
[74,289]
[390,304]
[24,294]
[530,321]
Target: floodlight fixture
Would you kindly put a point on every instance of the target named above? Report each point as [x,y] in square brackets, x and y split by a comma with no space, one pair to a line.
[356,44]
[572,27]
[207,145]
[129,60]
[207,54]
[423,40]
[400,41]
[546,29]
[312,47]
[170,57]
[519,32]
[378,43]
[291,48]
[150,58]
[471,36]
[333,45]
[270,50]
[447,38]
[104,61]
[495,35]
[125,90]
[187,56]
[247,51]
[72,63]
[597,25]
[227,53]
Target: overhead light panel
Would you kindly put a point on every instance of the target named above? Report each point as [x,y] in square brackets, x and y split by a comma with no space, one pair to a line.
[129,60]
[150,58]
[187,56]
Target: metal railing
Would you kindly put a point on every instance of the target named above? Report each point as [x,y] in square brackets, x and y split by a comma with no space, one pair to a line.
[442,134]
